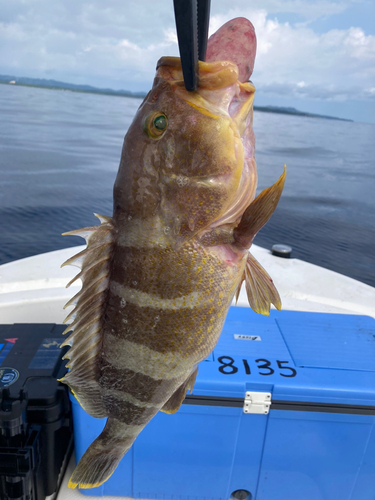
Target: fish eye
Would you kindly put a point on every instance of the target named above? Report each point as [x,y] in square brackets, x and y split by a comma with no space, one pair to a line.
[155,125]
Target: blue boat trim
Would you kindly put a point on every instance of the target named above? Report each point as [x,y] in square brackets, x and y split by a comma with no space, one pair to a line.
[4,353]
[282,405]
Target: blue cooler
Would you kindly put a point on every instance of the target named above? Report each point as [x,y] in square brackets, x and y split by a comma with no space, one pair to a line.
[283,409]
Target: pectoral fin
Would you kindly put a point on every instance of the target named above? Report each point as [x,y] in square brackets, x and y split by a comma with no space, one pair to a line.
[258,213]
[260,289]
[175,401]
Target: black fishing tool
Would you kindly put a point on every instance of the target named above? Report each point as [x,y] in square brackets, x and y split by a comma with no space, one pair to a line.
[192,19]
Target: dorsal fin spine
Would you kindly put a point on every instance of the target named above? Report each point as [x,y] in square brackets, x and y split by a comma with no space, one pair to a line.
[85,271]
[74,261]
[85,338]
[86,304]
[101,281]
[77,338]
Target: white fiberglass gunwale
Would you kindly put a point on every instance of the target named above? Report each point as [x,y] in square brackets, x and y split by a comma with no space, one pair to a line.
[33,289]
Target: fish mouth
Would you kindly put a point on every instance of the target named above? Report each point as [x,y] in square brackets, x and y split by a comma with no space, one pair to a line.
[221,94]
[212,75]
[219,91]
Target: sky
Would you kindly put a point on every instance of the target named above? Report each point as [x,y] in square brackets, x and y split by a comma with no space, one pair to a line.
[314,55]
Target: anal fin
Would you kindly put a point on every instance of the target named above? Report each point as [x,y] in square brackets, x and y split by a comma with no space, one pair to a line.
[175,401]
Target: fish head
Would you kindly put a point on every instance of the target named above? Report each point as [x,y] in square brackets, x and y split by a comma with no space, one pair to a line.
[188,157]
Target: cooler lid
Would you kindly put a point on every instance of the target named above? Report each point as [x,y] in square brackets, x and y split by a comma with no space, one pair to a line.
[297,356]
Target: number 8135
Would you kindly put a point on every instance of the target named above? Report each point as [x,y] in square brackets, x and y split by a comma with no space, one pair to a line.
[263,367]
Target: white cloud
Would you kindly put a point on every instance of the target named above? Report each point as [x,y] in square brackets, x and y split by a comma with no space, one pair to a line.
[309,10]
[88,42]
[95,41]
[332,93]
[12,32]
[170,35]
[295,61]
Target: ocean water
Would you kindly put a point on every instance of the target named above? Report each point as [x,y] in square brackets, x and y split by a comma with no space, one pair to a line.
[59,154]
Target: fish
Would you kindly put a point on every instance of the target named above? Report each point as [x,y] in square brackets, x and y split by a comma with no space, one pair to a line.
[159,275]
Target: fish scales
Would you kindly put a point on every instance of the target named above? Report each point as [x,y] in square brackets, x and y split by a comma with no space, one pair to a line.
[161,320]
[185,289]
[160,274]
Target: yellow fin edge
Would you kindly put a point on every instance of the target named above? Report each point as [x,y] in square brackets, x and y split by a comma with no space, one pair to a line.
[86,486]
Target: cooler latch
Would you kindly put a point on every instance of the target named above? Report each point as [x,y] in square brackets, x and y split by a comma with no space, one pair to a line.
[257,402]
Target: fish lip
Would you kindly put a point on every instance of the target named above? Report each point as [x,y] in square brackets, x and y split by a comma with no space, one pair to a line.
[212,75]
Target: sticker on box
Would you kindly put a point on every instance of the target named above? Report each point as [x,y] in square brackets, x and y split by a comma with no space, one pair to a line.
[47,355]
[246,337]
[8,376]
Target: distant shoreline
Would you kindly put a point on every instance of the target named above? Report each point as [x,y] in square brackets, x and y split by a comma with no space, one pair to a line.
[87,89]
[116,93]
[296,112]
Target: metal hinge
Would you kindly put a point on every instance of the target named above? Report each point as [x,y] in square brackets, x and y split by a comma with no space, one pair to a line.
[257,402]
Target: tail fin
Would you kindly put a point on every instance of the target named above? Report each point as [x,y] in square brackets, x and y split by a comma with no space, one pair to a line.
[104,454]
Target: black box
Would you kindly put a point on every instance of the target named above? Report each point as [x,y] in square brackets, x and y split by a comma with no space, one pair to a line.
[36,436]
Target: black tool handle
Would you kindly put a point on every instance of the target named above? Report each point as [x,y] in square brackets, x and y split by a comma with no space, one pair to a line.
[187,32]
[203,22]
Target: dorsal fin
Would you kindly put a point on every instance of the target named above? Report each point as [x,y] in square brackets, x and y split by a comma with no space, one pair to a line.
[86,338]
